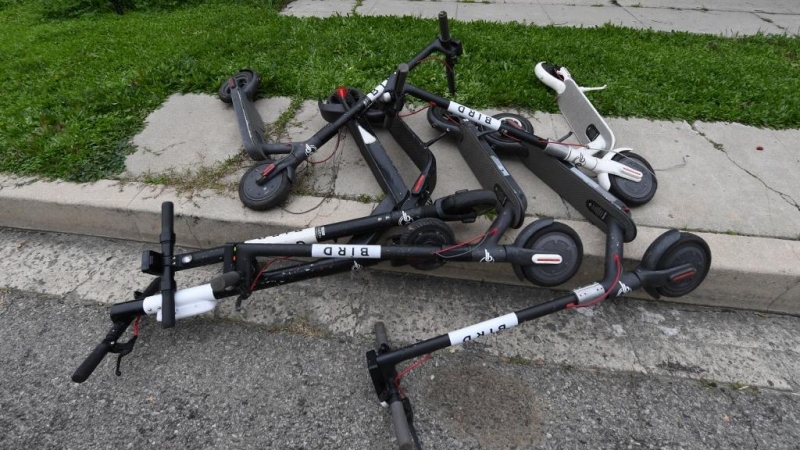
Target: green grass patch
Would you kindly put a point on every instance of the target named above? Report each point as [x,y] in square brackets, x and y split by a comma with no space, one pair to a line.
[75,90]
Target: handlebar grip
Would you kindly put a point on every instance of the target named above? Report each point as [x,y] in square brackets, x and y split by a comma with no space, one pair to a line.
[444,27]
[400,81]
[96,357]
[168,276]
[381,337]
[401,429]
[91,362]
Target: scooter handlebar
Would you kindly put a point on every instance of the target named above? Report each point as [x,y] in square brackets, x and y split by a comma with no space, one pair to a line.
[94,359]
[168,271]
[444,27]
[401,429]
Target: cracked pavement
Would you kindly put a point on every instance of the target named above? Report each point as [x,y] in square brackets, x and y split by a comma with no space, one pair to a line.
[213,383]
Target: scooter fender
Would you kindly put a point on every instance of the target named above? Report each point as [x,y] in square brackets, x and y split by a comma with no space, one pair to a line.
[654,252]
[526,234]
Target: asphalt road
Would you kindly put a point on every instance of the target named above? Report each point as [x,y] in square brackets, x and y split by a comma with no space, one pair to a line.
[213,383]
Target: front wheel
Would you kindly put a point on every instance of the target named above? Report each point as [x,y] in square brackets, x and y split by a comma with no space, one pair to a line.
[634,193]
[272,193]
[556,238]
[688,249]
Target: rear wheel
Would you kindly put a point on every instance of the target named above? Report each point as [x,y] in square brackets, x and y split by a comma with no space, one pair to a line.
[331,108]
[247,80]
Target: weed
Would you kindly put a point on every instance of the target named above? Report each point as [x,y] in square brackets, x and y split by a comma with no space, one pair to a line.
[277,130]
[735,386]
[300,327]
[518,360]
[707,383]
[188,182]
[364,198]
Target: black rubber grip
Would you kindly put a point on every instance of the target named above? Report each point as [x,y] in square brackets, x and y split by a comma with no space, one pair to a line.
[168,277]
[428,211]
[380,335]
[401,429]
[467,202]
[444,27]
[96,357]
[91,362]
[400,81]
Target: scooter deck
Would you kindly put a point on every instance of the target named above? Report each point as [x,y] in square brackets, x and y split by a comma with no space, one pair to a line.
[383,168]
[583,118]
[251,126]
[581,191]
[490,171]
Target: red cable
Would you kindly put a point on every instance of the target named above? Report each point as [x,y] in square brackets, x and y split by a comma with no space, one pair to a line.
[405,371]
[253,285]
[491,232]
[414,111]
[431,58]
[342,131]
[613,286]
[136,325]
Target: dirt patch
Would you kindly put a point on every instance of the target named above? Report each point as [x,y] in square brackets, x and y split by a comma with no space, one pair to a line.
[497,410]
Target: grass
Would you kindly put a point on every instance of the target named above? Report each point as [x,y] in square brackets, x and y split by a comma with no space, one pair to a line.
[205,177]
[75,91]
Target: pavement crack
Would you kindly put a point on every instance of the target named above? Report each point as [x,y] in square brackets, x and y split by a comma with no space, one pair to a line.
[786,197]
[741,413]
[778,298]
[770,21]
[191,231]
[566,208]
[88,278]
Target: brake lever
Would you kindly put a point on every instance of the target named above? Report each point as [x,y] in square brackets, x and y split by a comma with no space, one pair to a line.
[122,350]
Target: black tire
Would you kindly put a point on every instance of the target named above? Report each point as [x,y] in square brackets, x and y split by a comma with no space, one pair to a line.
[630,192]
[261,198]
[247,80]
[500,141]
[429,231]
[331,108]
[555,237]
[442,120]
[689,249]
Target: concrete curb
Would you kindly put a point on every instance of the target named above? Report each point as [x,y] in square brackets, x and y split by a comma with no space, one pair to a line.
[768,279]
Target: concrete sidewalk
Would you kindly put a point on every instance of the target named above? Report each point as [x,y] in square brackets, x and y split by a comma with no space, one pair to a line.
[736,186]
[725,17]
[712,181]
